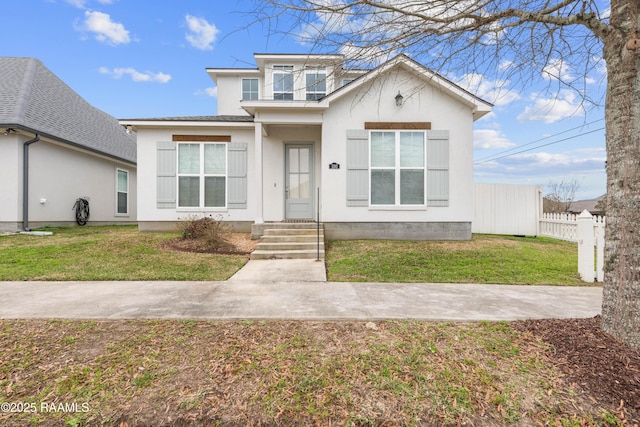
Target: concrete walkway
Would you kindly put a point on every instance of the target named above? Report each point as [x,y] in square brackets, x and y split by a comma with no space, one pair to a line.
[293,289]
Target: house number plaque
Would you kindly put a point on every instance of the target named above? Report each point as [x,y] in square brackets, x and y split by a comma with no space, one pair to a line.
[334,165]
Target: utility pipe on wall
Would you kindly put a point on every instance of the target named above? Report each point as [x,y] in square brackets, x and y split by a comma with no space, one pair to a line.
[25,181]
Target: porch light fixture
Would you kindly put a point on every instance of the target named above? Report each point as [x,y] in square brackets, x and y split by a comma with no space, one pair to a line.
[9,131]
[399,100]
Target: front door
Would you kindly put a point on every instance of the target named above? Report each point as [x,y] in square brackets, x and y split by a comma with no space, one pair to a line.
[299,181]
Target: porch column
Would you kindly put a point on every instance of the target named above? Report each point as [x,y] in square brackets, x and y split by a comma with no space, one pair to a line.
[259,178]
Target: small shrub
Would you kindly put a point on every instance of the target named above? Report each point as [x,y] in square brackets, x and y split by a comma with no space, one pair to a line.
[211,230]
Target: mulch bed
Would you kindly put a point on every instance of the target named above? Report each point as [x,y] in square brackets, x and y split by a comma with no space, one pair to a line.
[234,244]
[593,362]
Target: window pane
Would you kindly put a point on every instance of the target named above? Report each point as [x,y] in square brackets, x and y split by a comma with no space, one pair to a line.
[122,203]
[412,187]
[214,191]
[316,82]
[215,159]
[282,82]
[294,160]
[412,149]
[188,158]
[283,96]
[304,186]
[383,185]
[294,186]
[249,89]
[383,149]
[189,191]
[304,160]
[122,180]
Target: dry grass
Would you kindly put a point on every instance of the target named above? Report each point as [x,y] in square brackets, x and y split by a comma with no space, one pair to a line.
[164,373]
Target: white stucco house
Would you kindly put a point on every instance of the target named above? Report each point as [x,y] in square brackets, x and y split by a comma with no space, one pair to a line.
[380,153]
[54,148]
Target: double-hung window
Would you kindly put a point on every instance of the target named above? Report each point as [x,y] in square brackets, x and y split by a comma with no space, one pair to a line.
[397,168]
[283,82]
[316,83]
[249,89]
[202,175]
[122,192]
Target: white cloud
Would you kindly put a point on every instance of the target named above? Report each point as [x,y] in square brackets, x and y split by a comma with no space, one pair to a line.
[488,139]
[80,4]
[557,69]
[370,56]
[328,23]
[210,91]
[549,110]
[105,29]
[505,64]
[555,163]
[545,163]
[201,34]
[494,91]
[136,76]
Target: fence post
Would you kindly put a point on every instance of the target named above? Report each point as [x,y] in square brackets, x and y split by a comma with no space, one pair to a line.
[586,242]
[600,249]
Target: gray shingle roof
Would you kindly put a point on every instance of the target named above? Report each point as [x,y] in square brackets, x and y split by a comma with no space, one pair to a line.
[31,96]
[247,119]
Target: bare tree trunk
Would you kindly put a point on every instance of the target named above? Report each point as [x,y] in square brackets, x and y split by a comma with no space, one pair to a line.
[621,295]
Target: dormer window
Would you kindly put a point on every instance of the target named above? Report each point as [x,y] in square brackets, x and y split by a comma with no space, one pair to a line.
[283,82]
[316,83]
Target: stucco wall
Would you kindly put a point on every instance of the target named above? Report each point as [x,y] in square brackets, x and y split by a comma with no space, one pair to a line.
[58,175]
[376,103]
[229,96]
[147,172]
[10,182]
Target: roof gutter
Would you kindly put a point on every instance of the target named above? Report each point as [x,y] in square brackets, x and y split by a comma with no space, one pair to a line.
[66,142]
[25,181]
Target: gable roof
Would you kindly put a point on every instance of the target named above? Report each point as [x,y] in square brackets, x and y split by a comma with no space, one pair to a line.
[34,99]
[479,106]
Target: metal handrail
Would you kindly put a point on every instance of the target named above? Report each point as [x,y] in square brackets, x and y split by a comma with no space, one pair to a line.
[318,224]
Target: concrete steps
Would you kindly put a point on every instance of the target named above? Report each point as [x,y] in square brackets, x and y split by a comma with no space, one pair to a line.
[290,241]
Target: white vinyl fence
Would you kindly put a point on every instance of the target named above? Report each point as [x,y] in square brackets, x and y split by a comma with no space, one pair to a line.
[507,209]
[517,210]
[587,231]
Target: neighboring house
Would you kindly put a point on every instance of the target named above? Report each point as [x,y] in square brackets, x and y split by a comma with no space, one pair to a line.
[381,153]
[593,206]
[55,148]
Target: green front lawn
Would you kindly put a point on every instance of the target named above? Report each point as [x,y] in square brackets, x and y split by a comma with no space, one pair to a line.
[123,253]
[107,253]
[484,259]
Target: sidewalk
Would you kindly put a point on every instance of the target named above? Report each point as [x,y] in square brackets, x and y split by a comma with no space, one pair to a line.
[293,289]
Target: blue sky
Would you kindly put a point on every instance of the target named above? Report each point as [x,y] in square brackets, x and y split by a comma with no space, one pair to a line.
[143,59]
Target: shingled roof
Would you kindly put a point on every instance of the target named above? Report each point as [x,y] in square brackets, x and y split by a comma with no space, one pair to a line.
[34,99]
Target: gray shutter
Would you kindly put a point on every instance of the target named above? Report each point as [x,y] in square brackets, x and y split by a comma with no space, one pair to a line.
[438,168]
[357,167]
[166,175]
[237,175]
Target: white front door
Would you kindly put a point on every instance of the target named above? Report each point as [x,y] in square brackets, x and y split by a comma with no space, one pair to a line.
[299,181]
